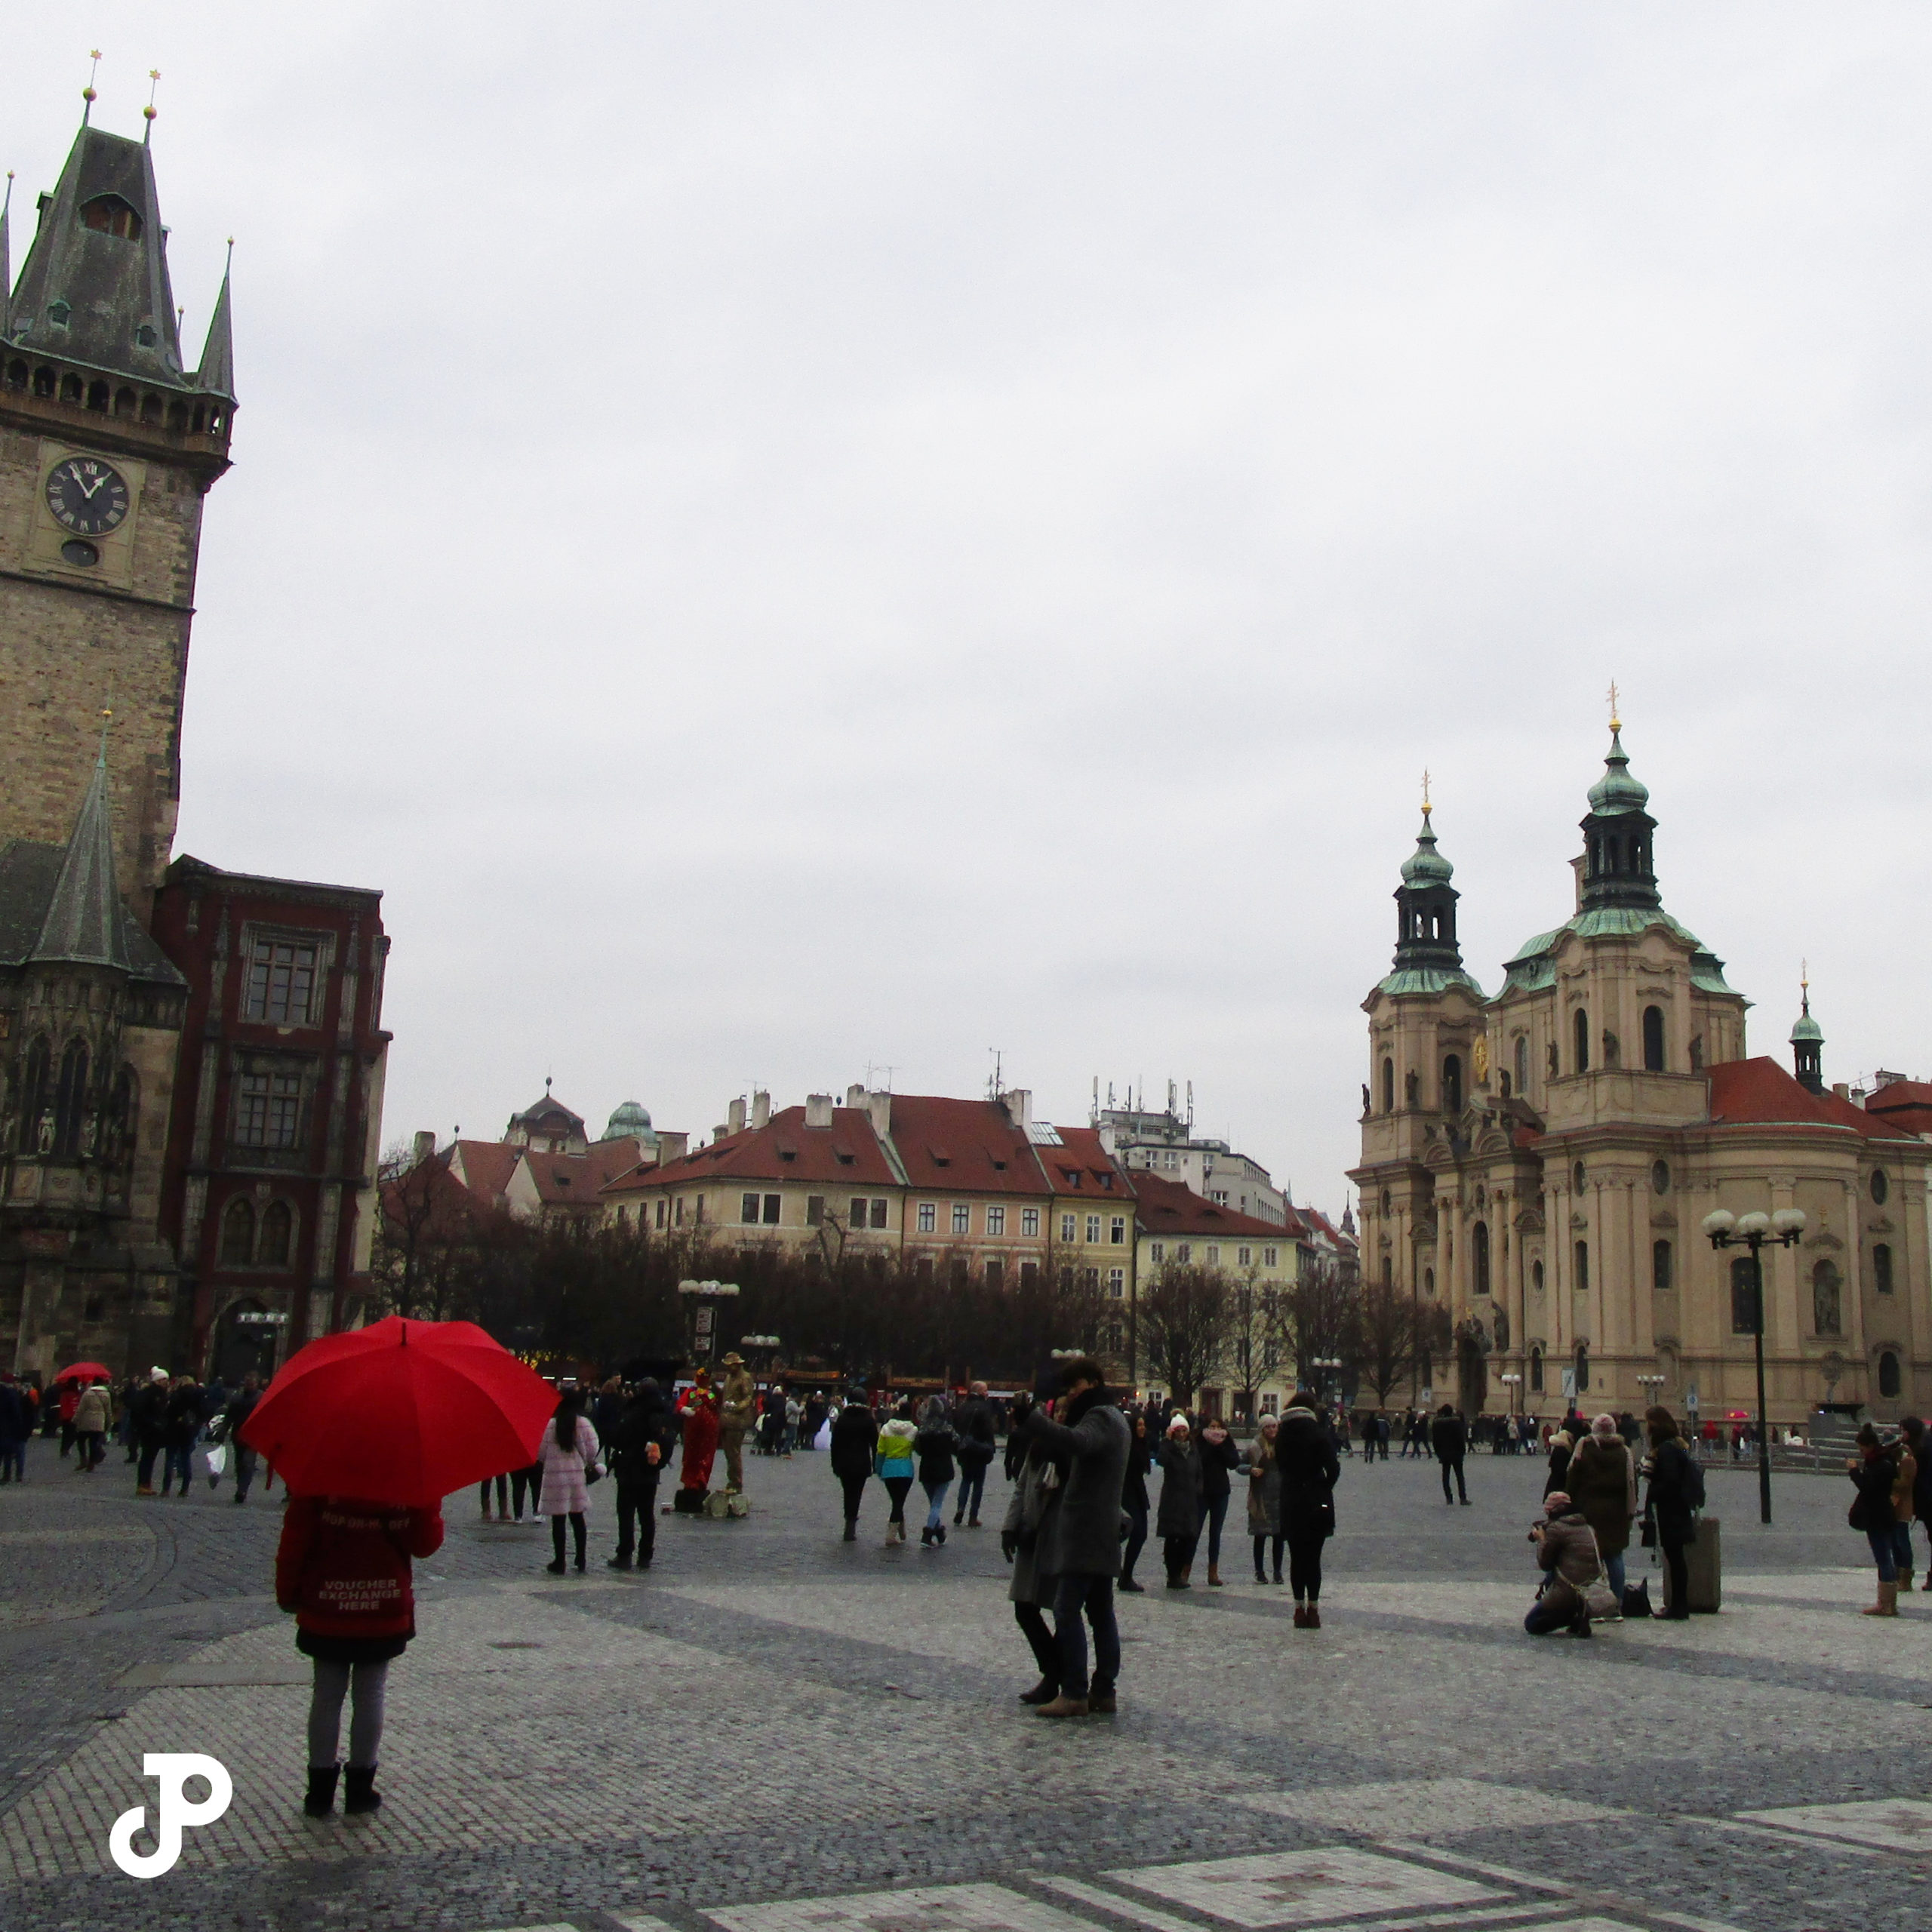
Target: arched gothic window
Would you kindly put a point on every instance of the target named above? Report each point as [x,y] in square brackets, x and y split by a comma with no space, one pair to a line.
[1654,1039]
[33,1094]
[1523,1064]
[238,1234]
[1479,1257]
[1452,1085]
[1889,1380]
[1580,1031]
[1387,1086]
[277,1230]
[1536,1371]
[70,1099]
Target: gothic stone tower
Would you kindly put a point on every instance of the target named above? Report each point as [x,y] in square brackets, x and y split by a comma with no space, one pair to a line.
[108,446]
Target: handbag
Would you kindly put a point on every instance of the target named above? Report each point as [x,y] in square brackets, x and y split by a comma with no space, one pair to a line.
[592,1472]
[1599,1599]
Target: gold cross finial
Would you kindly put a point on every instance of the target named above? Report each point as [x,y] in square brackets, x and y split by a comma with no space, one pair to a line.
[1804,982]
[1616,723]
[1426,806]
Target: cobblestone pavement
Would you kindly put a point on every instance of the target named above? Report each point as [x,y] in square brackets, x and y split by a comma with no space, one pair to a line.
[773,1731]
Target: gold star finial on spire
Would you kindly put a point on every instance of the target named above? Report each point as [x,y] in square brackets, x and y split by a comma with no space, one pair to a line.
[148,112]
[1616,723]
[88,93]
[1426,806]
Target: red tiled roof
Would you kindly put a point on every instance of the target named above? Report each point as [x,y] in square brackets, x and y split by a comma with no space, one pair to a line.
[485,1168]
[1904,1104]
[1317,1222]
[438,1204]
[1167,1207]
[1760,1093]
[566,1180]
[967,1146]
[847,1152]
[1080,1164]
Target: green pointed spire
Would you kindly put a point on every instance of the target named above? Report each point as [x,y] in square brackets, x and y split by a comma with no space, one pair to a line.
[86,923]
[1616,790]
[217,373]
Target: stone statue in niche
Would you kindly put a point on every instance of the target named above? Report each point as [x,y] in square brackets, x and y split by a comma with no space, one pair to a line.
[1411,1085]
[46,1134]
[1502,1330]
[1364,1099]
[1552,1060]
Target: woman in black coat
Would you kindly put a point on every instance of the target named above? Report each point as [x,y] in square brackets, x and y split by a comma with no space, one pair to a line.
[1669,1506]
[1310,1470]
[854,1438]
[1220,1455]
[934,1446]
[1133,1495]
[1178,1521]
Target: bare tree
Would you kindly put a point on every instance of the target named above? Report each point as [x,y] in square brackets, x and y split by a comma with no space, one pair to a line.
[1398,1332]
[1185,1325]
[1320,1320]
[1254,1314]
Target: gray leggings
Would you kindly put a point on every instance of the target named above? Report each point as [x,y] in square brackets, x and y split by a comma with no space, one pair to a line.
[365,1725]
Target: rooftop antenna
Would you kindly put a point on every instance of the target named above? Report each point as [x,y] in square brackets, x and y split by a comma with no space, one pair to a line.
[88,93]
[996,1087]
[148,112]
[1190,1106]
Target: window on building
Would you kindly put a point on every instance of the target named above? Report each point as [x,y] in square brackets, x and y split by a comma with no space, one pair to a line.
[855,1218]
[1271,1257]
[1157,1250]
[748,1210]
[1219,1196]
[660,1210]
[928,1216]
[1388,1271]
[1890,1382]
[1030,1275]
[1581,1281]
[681,1211]
[109,214]
[1387,1086]
[1582,1367]
[1882,1269]
[277,1234]
[1069,1228]
[1184,1253]
[1743,1297]
[1659,1177]
[1654,1039]
[1116,1283]
[70,1100]
[1429,1280]
[1697,1053]
[773,1203]
[1089,1280]
[922,1271]
[1479,1257]
[1660,1276]
[1029,1223]
[1536,1276]
[1536,1371]
[880,1209]
[1881,1187]
[1452,1085]
[268,1109]
[1117,1231]
[995,1220]
[698,1211]
[238,1234]
[33,1097]
[962,1218]
[1523,1064]
[1213,1257]
[1094,1229]
[1579,1176]
[1825,1314]
[1580,1035]
[814,1211]
[996,1273]
[281,982]
[1244,1257]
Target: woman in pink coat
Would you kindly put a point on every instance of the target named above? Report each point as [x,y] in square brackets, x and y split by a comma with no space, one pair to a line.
[570,1457]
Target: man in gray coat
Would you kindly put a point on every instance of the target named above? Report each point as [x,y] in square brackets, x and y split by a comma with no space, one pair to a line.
[1090,1441]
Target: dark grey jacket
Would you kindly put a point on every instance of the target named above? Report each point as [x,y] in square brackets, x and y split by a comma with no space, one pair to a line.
[1083,1538]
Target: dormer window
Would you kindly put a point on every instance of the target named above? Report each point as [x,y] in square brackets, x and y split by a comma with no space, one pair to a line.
[109,214]
[58,313]
[145,336]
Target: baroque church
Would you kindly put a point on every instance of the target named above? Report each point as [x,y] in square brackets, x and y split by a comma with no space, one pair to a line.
[190,1059]
[1539,1163]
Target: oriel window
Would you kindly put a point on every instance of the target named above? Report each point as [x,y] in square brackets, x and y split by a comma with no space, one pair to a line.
[281,982]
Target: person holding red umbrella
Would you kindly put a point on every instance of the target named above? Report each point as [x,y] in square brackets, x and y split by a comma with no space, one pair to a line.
[369,1430]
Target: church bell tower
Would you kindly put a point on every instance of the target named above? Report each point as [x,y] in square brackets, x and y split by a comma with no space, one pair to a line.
[108,446]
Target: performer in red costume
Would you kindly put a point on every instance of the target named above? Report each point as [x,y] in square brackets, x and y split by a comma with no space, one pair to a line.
[698,1405]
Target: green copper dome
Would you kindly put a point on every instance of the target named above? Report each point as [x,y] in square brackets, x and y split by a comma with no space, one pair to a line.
[1616,790]
[1425,865]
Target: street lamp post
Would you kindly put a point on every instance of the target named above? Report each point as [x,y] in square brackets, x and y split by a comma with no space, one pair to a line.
[1751,1231]
[1322,1364]
[1511,1381]
[1651,1385]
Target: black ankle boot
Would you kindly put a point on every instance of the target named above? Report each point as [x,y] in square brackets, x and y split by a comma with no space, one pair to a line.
[359,1791]
[321,1800]
[1044,1692]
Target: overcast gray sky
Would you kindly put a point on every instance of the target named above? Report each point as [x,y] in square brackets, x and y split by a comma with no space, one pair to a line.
[786,538]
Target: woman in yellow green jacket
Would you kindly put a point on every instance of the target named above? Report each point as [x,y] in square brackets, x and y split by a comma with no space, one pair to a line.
[894,1461]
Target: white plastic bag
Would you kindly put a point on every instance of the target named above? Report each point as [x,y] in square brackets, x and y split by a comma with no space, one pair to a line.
[216,1459]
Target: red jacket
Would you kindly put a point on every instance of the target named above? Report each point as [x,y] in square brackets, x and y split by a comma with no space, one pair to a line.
[342,1566]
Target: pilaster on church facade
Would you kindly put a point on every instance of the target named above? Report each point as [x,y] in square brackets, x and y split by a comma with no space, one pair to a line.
[1539,1164]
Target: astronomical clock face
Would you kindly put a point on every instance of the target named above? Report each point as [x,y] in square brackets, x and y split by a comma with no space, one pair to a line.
[87,495]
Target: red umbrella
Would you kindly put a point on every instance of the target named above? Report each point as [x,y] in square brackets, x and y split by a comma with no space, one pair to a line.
[85,1371]
[400,1412]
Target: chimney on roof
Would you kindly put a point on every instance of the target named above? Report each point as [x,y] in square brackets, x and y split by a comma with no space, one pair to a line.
[1842,1089]
[1019,1105]
[672,1145]
[719,1133]
[879,1106]
[422,1147]
[855,1095]
[734,1115]
[818,1110]
[761,1109]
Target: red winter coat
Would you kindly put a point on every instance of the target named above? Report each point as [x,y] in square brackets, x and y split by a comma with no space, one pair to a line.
[342,1567]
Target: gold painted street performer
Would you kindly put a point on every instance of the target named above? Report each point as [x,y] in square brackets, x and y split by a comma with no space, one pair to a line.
[736,1414]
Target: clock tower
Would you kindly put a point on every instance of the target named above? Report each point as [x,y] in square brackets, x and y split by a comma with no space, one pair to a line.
[108,445]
